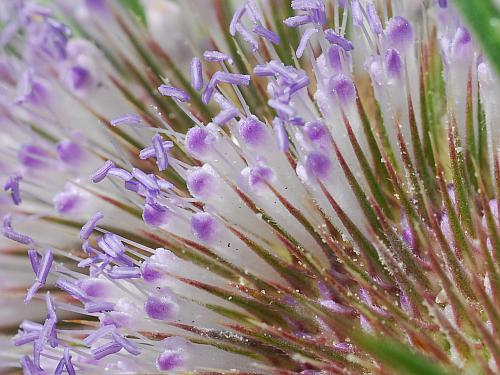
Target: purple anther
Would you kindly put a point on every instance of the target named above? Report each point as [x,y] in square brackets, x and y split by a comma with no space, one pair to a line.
[280,134]
[443,3]
[226,115]
[296,121]
[45,265]
[102,172]
[304,40]
[267,34]
[236,19]
[306,4]
[174,93]
[31,291]
[160,152]
[99,333]
[130,119]
[9,233]
[94,307]
[263,71]
[125,273]
[68,363]
[105,350]
[110,243]
[247,37]
[148,181]
[34,260]
[71,289]
[216,56]
[301,82]
[278,68]
[25,338]
[120,173]
[149,152]
[339,40]
[90,225]
[12,184]
[297,21]
[196,74]
[51,310]
[29,326]
[231,78]
[126,344]
[373,19]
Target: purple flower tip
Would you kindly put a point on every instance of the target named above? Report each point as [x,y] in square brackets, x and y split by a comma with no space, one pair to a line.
[160,308]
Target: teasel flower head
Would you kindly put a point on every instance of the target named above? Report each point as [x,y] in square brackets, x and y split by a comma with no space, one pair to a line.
[265,187]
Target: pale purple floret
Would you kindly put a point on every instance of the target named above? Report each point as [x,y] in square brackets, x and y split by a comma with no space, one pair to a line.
[344,88]
[159,308]
[315,9]
[126,344]
[12,184]
[160,152]
[225,115]
[105,350]
[393,63]
[34,260]
[9,233]
[69,152]
[318,164]
[101,173]
[339,40]
[125,273]
[169,360]
[204,226]
[373,19]
[174,93]
[443,3]
[216,56]
[90,225]
[267,34]
[236,19]
[94,307]
[280,134]
[399,33]
[197,141]
[335,57]
[252,131]
[72,289]
[201,183]
[338,308]
[304,40]
[155,214]
[316,131]
[45,265]
[196,74]
[297,21]
[129,119]
[149,152]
